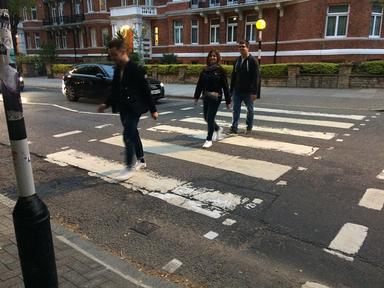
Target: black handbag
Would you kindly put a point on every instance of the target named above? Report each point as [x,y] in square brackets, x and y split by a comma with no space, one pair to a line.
[214,96]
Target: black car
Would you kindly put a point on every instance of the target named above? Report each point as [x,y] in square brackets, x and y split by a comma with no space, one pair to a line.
[95,80]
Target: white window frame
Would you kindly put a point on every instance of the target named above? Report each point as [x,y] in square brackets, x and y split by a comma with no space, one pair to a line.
[124,3]
[29,42]
[60,10]
[231,27]
[194,3]
[89,6]
[105,5]
[64,43]
[375,16]
[77,8]
[25,14]
[54,15]
[214,3]
[58,41]
[37,40]
[178,30]
[81,39]
[253,30]
[33,10]
[216,28]
[104,36]
[196,27]
[232,2]
[93,37]
[337,15]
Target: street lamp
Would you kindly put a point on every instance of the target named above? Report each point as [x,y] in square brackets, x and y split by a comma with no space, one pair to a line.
[260,26]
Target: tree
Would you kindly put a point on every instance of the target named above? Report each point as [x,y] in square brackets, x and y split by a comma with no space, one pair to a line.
[14,9]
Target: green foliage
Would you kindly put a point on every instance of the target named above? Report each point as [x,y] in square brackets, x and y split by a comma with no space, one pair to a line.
[319,68]
[370,67]
[274,70]
[27,59]
[61,68]
[228,69]
[169,59]
[48,52]
[194,69]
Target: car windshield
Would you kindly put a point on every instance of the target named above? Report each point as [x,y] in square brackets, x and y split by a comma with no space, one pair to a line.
[109,69]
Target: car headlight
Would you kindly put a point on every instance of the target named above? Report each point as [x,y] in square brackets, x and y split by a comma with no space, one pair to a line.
[21,79]
[161,84]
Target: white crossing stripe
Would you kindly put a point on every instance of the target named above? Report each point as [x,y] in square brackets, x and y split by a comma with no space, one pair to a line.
[303,113]
[342,125]
[373,199]
[209,202]
[285,131]
[165,112]
[250,167]
[349,239]
[211,235]
[297,149]
[67,133]
[103,126]
[381,175]
[186,108]
[313,285]
[172,265]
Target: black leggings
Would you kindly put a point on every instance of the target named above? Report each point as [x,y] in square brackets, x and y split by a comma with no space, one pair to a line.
[210,108]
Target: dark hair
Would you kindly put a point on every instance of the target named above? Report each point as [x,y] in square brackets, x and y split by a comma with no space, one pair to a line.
[116,43]
[217,56]
[245,42]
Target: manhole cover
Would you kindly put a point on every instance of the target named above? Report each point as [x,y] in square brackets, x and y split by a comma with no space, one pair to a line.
[145,227]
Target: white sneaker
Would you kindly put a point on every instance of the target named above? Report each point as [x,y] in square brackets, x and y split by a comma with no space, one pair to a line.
[219,134]
[207,144]
[140,165]
[125,174]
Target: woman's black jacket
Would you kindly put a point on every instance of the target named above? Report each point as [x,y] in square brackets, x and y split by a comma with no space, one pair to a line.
[213,79]
[132,94]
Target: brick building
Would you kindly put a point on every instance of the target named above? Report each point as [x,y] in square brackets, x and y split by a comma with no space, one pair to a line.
[297,30]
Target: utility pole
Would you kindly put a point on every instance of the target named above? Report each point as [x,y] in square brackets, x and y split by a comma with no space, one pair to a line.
[30,215]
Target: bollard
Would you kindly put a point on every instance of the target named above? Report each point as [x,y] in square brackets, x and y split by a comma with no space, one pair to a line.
[30,215]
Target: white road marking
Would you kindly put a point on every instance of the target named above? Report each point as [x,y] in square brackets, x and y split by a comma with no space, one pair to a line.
[64,148]
[229,222]
[313,285]
[92,140]
[374,117]
[367,120]
[381,175]
[338,254]
[172,266]
[317,157]
[109,267]
[166,112]
[67,133]
[362,124]
[349,239]
[281,183]
[346,134]
[256,143]
[373,199]
[250,167]
[302,168]
[339,140]
[303,113]
[202,200]
[285,131]
[254,203]
[356,129]
[211,235]
[187,108]
[334,124]
[103,126]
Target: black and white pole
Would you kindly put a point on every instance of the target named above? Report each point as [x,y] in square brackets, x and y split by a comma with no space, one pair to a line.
[259,59]
[30,215]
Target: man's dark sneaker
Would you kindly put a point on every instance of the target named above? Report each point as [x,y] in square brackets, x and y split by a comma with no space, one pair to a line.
[232,131]
[248,130]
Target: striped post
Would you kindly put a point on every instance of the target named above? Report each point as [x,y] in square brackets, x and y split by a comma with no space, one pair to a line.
[259,59]
[30,215]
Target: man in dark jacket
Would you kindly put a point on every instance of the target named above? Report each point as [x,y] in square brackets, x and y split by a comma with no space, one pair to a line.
[244,86]
[131,97]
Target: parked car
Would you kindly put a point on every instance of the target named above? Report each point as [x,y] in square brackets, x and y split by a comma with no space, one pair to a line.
[95,80]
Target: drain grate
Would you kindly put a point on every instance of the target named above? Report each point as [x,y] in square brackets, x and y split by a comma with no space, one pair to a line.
[145,227]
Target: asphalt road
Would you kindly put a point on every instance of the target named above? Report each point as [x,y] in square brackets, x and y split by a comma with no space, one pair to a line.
[299,200]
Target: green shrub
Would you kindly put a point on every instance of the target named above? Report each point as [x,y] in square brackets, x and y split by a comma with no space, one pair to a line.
[148,68]
[61,68]
[274,70]
[174,68]
[162,69]
[319,68]
[27,59]
[228,69]
[371,68]
[194,69]
[169,59]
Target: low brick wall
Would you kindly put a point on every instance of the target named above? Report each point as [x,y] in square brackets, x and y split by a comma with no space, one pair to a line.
[360,81]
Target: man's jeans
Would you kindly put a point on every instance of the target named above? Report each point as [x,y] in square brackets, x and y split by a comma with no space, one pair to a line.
[131,137]
[237,99]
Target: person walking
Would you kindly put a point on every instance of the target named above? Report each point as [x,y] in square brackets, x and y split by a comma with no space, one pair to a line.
[212,84]
[131,97]
[244,86]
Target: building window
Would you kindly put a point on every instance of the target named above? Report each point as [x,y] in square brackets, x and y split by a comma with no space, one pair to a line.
[194,32]
[250,28]
[376,21]
[29,42]
[156,36]
[232,2]
[33,13]
[93,38]
[77,8]
[105,36]
[61,12]
[64,40]
[232,30]
[194,3]
[214,29]
[89,6]
[124,2]
[337,21]
[103,5]
[214,3]
[178,32]
[25,14]
[37,40]
[81,39]
[58,41]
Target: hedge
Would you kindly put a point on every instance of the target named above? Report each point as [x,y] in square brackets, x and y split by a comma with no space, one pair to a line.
[371,68]
[61,68]
[274,70]
[319,68]
[27,59]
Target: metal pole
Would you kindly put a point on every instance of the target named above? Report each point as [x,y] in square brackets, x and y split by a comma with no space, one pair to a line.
[30,215]
[276,35]
[259,59]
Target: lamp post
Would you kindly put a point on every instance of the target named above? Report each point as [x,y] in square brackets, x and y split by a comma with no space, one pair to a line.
[260,26]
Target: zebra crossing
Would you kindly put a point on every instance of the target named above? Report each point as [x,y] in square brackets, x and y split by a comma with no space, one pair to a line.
[209,201]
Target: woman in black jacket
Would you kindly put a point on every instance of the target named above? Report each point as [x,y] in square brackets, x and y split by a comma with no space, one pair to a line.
[212,84]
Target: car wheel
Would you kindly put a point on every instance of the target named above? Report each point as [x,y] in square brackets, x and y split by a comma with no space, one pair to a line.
[70,94]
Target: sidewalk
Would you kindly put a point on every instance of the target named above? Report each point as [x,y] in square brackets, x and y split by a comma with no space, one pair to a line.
[79,262]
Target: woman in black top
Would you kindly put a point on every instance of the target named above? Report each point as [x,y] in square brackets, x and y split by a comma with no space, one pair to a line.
[212,84]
